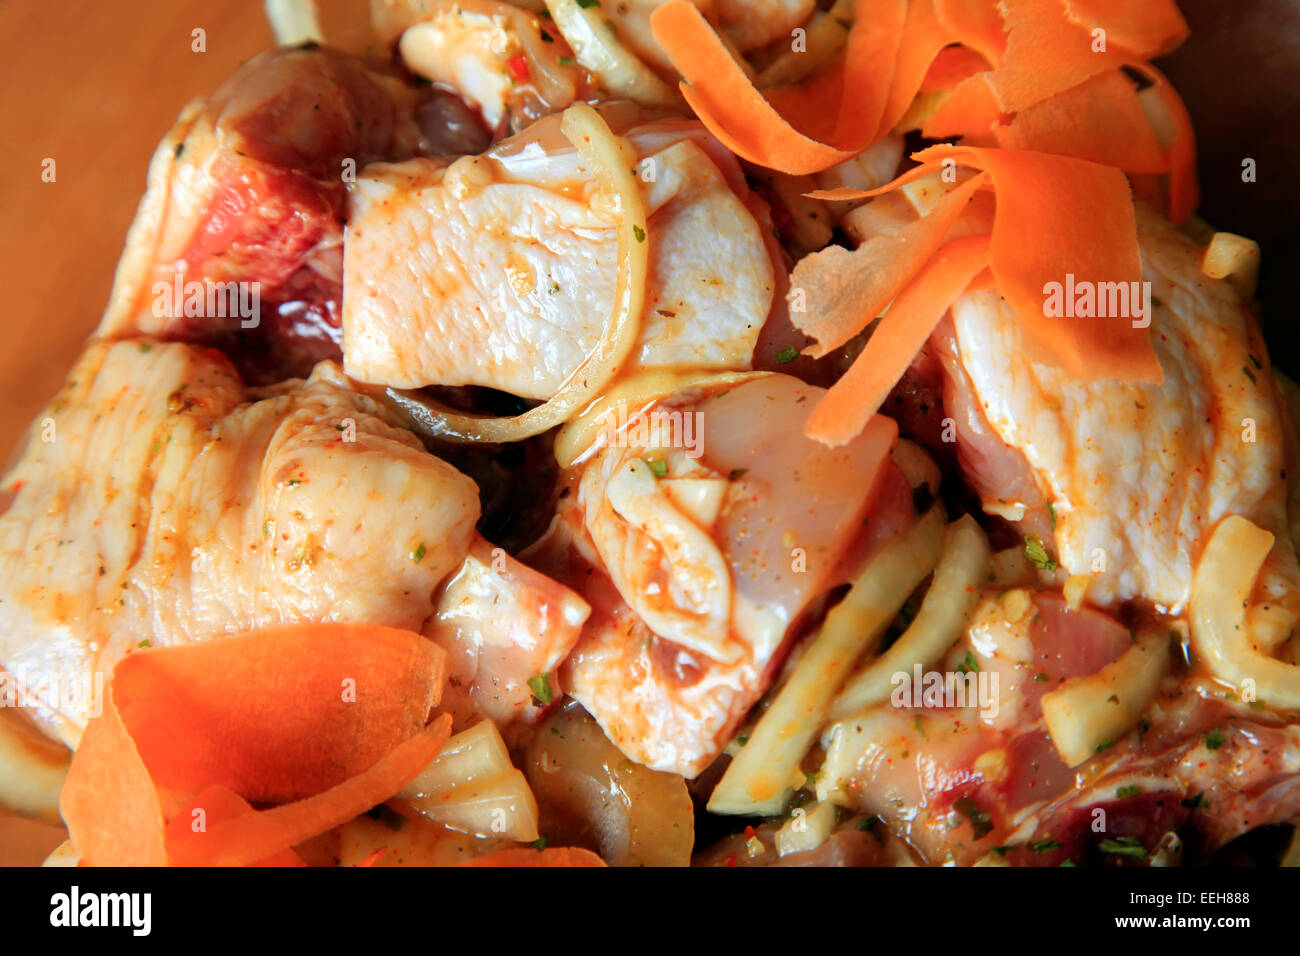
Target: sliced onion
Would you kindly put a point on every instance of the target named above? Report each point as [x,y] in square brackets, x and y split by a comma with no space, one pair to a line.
[611,159]
[582,435]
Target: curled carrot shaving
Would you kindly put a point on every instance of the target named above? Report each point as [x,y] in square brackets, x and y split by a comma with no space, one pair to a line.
[1081,217]
[1184,191]
[244,840]
[836,293]
[218,804]
[1100,120]
[752,127]
[851,402]
[1150,29]
[329,717]
[976,24]
[551,856]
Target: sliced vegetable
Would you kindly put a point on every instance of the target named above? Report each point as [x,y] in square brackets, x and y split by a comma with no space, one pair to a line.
[762,132]
[845,409]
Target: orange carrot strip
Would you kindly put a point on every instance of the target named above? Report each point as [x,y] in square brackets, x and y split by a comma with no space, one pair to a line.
[248,838]
[1100,120]
[280,713]
[923,37]
[1184,191]
[851,402]
[551,856]
[217,804]
[976,24]
[1059,216]
[1149,28]
[748,124]
[970,111]
[952,65]
[1046,54]
[113,813]
[844,291]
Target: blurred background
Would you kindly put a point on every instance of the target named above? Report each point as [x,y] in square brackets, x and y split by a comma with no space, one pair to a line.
[94,85]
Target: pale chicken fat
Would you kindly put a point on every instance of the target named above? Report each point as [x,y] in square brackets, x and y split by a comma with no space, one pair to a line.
[165,508]
[501,269]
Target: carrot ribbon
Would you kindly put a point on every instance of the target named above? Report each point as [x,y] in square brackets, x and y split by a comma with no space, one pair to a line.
[325,720]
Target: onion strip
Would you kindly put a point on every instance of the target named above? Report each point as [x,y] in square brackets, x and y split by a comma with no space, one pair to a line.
[611,159]
[581,435]
[1221,587]
[938,624]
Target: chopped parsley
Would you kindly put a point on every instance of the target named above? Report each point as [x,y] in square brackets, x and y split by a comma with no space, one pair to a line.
[1214,740]
[785,356]
[968,664]
[1045,846]
[418,554]
[1130,791]
[566,61]
[588,4]
[1037,554]
[145,643]
[1124,846]
[541,688]
[1196,802]
[1105,745]
[659,467]
[541,843]
[980,822]
[1051,513]
[639,233]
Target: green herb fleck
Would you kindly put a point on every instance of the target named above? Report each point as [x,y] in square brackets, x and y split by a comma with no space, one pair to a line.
[541,843]
[1124,846]
[566,61]
[418,554]
[786,356]
[659,467]
[541,688]
[1214,740]
[1196,802]
[1045,846]
[1037,554]
[639,233]
[1130,791]
[980,822]
[968,664]
[1105,745]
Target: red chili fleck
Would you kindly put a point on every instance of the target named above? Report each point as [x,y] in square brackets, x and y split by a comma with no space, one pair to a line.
[517,66]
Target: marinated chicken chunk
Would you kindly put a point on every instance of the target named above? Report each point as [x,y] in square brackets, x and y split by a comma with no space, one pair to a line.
[1128,480]
[500,270]
[158,502]
[246,195]
[700,570]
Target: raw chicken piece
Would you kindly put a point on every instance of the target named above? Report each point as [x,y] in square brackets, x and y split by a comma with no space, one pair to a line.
[502,59]
[1136,475]
[155,503]
[698,582]
[500,270]
[248,187]
[502,624]
[956,783]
